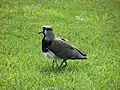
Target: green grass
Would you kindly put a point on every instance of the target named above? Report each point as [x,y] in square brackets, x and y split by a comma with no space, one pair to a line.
[93,26]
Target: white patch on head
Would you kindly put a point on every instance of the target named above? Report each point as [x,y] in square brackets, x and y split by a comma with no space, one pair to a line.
[50,55]
[45,32]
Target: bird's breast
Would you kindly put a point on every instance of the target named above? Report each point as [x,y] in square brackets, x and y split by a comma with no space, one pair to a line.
[45,45]
[50,55]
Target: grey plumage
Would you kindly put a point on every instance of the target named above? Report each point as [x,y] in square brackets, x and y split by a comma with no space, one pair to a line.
[58,48]
[64,50]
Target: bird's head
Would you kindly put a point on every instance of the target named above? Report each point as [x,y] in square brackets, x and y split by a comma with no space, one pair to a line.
[47,31]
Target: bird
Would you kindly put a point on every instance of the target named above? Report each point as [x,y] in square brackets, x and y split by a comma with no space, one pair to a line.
[57,48]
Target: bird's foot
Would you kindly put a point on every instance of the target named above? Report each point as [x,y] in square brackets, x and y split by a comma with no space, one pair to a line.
[63,66]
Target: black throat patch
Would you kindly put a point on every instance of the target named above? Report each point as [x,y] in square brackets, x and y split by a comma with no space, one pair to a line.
[45,45]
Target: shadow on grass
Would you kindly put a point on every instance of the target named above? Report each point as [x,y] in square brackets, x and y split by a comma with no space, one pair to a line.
[49,69]
[70,68]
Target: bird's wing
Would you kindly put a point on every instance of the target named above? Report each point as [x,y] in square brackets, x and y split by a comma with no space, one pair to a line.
[60,38]
[64,50]
[67,41]
[73,46]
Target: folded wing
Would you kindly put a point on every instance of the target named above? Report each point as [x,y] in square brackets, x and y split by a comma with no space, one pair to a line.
[64,50]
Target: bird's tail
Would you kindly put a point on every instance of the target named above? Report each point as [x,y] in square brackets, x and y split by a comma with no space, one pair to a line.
[83,54]
[80,57]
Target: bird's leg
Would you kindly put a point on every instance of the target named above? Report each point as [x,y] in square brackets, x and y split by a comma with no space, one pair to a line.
[63,62]
[56,63]
[53,64]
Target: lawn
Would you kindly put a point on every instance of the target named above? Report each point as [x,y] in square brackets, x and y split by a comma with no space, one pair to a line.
[91,25]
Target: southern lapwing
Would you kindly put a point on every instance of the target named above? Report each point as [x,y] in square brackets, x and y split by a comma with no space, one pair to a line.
[58,48]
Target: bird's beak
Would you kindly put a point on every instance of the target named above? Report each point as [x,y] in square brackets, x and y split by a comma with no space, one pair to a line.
[40,32]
